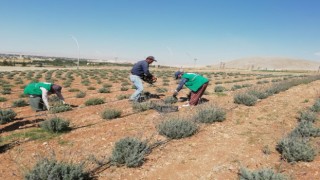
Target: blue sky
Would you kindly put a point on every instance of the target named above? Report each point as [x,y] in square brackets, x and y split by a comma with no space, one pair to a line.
[174,31]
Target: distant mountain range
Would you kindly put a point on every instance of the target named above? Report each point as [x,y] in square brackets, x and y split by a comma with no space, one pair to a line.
[271,63]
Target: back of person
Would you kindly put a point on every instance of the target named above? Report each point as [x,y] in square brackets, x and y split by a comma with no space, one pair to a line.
[34,88]
[195,81]
[138,68]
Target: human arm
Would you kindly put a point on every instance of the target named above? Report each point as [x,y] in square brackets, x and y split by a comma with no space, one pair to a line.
[181,83]
[145,68]
[44,93]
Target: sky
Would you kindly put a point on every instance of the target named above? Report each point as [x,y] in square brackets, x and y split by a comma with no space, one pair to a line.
[175,32]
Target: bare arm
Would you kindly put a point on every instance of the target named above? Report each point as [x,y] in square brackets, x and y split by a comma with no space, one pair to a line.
[45,97]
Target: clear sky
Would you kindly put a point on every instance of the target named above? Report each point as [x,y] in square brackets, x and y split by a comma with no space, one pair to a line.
[174,31]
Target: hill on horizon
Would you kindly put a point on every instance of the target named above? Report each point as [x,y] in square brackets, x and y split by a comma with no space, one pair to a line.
[271,63]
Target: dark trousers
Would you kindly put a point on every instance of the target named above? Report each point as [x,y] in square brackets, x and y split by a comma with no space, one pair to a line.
[195,96]
[37,104]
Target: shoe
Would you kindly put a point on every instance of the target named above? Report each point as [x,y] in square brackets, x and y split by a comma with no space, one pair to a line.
[186,105]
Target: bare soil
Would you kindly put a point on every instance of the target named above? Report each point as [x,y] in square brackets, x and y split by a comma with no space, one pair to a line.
[217,151]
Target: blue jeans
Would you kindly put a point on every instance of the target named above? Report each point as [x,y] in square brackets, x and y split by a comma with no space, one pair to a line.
[139,87]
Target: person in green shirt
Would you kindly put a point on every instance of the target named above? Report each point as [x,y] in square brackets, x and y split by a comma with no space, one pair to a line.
[39,92]
[195,82]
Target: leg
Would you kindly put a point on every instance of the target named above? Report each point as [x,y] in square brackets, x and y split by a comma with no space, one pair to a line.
[35,103]
[139,87]
[195,96]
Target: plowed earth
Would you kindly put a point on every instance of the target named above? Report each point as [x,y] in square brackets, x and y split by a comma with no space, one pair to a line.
[217,151]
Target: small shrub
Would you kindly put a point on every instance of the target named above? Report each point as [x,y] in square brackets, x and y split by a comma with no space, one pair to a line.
[219,89]
[308,116]
[55,125]
[177,128]
[6,91]
[266,150]
[235,87]
[123,96]
[258,94]
[124,88]
[23,95]
[170,100]
[294,149]
[104,90]
[305,129]
[316,106]
[60,108]
[111,114]
[73,90]
[3,99]
[54,99]
[51,169]
[246,99]
[107,85]
[139,107]
[94,101]
[7,115]
[81,94]
[91,88]
[263,174]
[130,152]
[210,114]
[162,90]
[19,103]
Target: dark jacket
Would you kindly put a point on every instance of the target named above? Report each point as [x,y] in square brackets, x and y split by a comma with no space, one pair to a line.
[141,68]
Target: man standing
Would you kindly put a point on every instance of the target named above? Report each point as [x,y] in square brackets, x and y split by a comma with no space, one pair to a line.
[140,71]
[38,93]
[195,82]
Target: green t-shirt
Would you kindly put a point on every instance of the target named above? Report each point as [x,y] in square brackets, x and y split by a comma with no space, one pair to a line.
[34,88]
[195,81]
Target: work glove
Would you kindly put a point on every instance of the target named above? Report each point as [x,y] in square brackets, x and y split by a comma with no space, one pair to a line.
[154,79]
[175,93]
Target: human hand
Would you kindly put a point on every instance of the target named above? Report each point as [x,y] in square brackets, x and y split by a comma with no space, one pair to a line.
[175,94]
[154,79]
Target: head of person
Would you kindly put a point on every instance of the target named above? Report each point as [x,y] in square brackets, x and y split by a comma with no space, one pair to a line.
[55,89]
[178,74]
[150,59]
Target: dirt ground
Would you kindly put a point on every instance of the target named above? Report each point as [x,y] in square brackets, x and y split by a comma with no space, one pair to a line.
[217,151]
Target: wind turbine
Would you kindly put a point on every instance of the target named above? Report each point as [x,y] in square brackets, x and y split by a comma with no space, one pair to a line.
[75,39]
[194,59]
